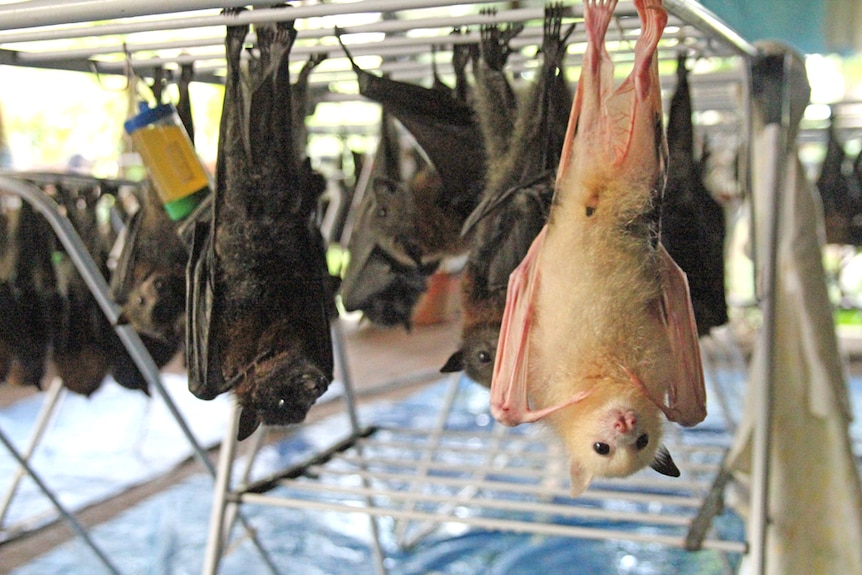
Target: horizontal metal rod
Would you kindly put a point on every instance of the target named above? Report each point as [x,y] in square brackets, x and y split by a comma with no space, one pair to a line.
[48,13]
[512,447]
[522,473]
[540,491]
[497,524]
[390,27]
[24,18]
[705,21]
[494,504]
[447,23]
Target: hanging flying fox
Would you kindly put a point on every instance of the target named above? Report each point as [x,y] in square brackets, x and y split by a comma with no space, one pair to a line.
[519,188]
[692,221]
[259,294]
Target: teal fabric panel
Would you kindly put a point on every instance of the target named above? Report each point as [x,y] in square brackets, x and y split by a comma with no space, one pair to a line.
[798,23]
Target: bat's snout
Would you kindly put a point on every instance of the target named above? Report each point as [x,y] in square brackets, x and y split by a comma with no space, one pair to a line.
[624,421]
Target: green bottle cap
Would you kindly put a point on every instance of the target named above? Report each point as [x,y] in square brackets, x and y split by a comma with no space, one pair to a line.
[180,208]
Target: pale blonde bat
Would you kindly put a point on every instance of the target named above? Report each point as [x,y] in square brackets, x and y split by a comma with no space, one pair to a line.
[598,336]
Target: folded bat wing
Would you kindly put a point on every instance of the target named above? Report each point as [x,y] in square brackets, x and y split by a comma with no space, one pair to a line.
[686,396]
[205,375]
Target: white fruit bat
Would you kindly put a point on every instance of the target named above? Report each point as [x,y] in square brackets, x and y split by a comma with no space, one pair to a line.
[598,336]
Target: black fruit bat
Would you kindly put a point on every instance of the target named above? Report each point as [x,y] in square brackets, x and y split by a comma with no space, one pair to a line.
[424,218]
[8,303]
[518,195]
[404,229]
[380,280]
[840,201]
[33,288]
[85,346]
[259,294]
[692,222]
[80,335]
[149,280]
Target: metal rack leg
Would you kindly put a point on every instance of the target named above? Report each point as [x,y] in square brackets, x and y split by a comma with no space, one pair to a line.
[100,290]
[350,400]
[428,455]
[73,523]
[52,396]
[217,535]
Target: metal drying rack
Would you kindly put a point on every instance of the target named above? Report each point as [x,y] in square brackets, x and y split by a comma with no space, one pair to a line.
[508,472]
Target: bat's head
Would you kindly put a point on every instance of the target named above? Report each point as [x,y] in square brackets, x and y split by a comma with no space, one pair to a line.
[614,435]
[156,306]
[280,391]
[477,354]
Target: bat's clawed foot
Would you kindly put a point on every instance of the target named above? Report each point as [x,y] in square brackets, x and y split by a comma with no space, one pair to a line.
[654,18]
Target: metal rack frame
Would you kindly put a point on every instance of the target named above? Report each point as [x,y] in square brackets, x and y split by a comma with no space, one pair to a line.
[695,20]
[100,290]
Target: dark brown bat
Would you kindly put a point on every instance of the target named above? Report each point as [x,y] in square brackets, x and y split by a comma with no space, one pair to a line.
[149,280]
[425,218]
[381,280]
[598,335]
[259,295]
[517,197]
[8,303]
[34,287]
[377,281]
[692,222]
[79,338]
[85,345]
[839,204]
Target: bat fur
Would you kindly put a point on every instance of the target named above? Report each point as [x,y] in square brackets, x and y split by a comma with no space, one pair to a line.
[597,359]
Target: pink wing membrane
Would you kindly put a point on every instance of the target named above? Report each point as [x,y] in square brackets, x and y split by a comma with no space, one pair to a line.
[686,394]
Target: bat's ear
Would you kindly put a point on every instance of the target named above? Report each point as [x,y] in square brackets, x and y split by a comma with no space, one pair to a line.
[454,363]
[249,420]
[663,463]
[581,477]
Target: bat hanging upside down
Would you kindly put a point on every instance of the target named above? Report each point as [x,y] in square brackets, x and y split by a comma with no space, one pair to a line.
[598,334]
[260,297]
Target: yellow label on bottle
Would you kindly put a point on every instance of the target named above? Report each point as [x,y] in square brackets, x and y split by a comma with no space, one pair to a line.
[171,161]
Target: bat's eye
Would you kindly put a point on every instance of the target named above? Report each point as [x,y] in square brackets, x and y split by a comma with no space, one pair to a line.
[642,441]
[601,448]
[484,356]
[159,284]
[381,212]
[590,211]
[140,300]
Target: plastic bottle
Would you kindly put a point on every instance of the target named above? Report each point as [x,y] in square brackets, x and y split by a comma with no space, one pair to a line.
[166,150]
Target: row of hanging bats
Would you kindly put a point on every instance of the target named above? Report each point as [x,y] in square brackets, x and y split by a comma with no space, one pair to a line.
[571,210]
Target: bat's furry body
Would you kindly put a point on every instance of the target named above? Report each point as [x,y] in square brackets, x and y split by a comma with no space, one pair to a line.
[260,290]
[519,187]
[597,351]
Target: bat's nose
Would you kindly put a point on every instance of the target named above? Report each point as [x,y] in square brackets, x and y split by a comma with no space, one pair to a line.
[625,422]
